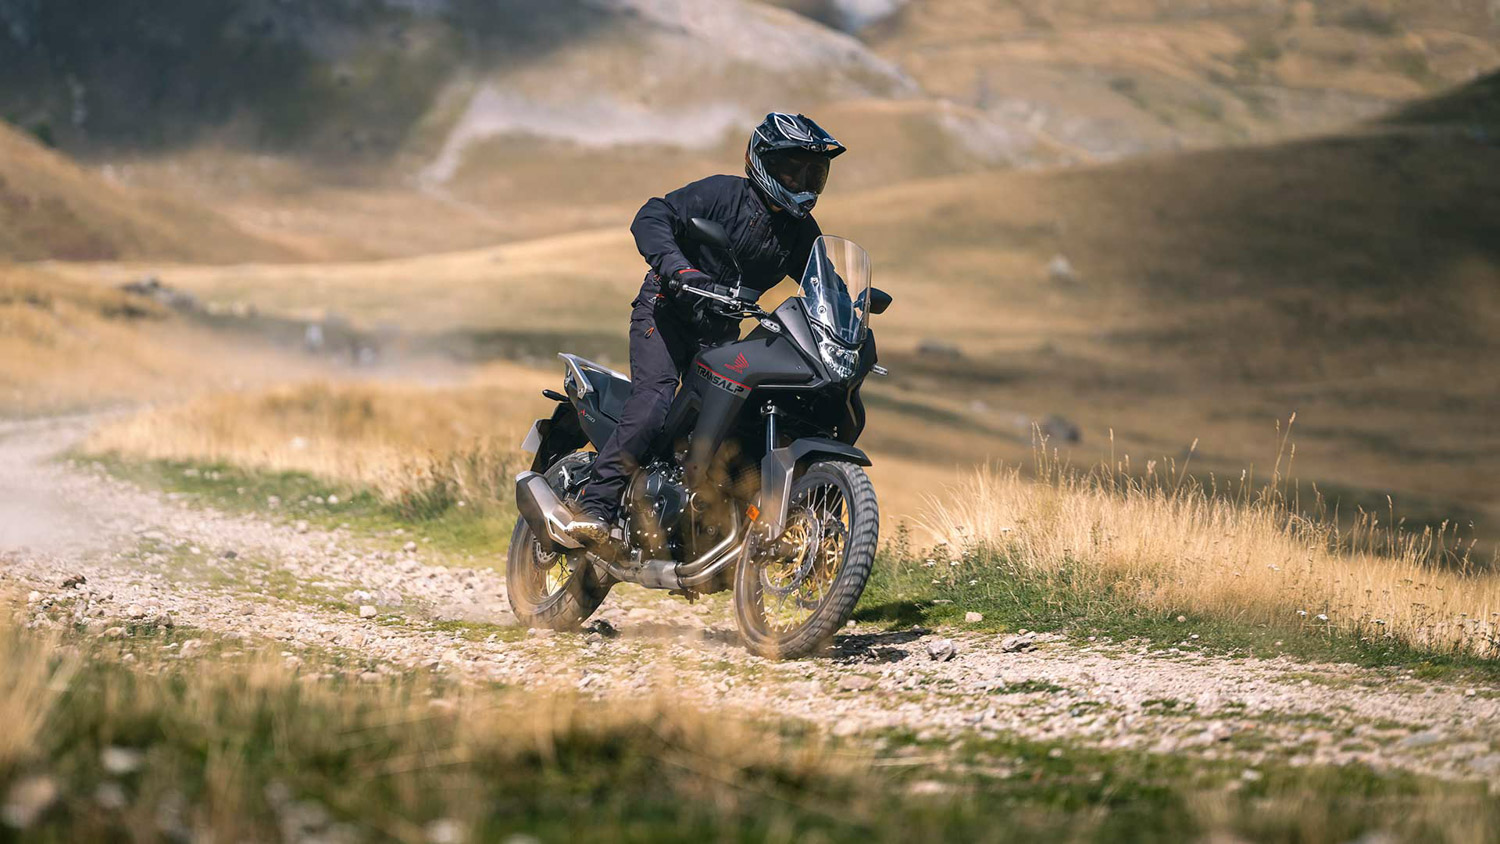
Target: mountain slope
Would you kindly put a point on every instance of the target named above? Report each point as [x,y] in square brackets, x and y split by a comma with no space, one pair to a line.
[52,208]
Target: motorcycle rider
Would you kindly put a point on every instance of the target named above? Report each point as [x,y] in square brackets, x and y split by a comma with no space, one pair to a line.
[767,216]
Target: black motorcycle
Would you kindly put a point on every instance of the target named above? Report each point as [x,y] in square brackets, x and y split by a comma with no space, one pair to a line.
[754,485]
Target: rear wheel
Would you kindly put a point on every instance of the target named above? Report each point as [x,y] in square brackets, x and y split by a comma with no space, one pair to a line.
[553,589]
[789,604]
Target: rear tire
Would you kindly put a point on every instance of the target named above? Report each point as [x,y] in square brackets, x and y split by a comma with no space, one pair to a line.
[857,531]
[553,590]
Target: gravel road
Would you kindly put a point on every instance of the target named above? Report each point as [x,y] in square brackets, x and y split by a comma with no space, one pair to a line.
[146,555]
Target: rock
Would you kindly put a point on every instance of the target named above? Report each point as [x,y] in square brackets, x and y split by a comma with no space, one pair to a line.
[114,633]
[444,831]
[539,633]
[603,628]
[1018,643]
[273,502]
[1251,775]
[135,611]
[119,761]
[1426,738]
[939,349]
[1057,429]
[333,500]
[366,611]
[33,597]
[855,682]
[941,650]
[301,526]
[74,581]
[164,620]
[1060,270]
[109,795]
[190,648]
[230,554]
[973,617]
[1489,765]
[370,677]
[27,800]
[409,547]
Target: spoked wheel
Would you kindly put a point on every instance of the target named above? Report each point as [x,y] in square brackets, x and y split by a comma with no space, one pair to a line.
[790,603]
[550,588]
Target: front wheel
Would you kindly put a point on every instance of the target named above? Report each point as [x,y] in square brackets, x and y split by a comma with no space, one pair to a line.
[787,606]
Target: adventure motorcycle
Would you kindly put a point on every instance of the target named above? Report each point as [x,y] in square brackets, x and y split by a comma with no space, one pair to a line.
[754,484]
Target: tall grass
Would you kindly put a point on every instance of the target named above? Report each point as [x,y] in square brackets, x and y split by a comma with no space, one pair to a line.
[425,450]
[1159,540]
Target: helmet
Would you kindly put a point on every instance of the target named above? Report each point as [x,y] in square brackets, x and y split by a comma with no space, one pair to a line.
[787,159]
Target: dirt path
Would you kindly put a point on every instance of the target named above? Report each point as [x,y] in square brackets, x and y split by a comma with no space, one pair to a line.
[145,554]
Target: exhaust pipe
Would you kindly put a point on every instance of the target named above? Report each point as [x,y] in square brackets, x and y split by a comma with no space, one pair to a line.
[544,513]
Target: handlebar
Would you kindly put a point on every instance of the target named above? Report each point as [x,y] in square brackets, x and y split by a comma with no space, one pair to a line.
[740,306]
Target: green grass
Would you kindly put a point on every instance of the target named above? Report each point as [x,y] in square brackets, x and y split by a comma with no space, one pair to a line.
[909,589]
[436,521]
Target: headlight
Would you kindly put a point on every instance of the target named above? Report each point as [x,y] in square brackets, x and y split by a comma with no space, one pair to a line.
[840,361]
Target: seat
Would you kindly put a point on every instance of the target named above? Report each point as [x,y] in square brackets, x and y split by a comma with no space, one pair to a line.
[611,388]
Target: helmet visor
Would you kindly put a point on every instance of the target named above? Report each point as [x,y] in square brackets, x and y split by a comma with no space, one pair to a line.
[798,171]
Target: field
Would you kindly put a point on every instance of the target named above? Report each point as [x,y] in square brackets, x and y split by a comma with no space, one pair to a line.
[1186,459]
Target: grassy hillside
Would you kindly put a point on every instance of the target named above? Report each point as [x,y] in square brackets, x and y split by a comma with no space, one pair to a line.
[1350,280]
[1114,78]
[52,208]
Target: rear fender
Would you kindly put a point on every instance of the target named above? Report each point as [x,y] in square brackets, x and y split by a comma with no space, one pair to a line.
[552,438]
[779,468]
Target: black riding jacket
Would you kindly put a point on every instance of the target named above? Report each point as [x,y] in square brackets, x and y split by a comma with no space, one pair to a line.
[768,245]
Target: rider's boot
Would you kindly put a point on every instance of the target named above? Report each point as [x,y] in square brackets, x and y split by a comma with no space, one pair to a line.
[590,529]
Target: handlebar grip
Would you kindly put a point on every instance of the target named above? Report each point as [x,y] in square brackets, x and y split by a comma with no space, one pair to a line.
[672,285]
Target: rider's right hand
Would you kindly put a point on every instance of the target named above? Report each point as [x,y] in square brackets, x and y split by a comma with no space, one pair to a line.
[689,278]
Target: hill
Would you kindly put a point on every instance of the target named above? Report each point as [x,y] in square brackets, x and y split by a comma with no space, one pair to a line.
[51,208]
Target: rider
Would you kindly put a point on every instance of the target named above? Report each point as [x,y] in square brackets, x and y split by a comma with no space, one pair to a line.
[767,217]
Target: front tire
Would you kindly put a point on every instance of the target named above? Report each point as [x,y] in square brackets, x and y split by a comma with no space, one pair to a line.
[789,606]
[554,590]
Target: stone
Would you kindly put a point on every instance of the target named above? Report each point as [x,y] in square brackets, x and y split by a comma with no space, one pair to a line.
[409,547]
[1060,270]
[1426,738]
[190,648]
[301,526]
[941,650]
[1018,643]
[366,611]
[1489,765]
[603,628]
[74,581]
[27,800]
[973,617]
[119,761]
[114,633]
[135,611]
[109,795]
[33,597]
[444,831]
[855,682]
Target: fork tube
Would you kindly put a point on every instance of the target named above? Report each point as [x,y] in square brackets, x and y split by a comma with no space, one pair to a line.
[770,411]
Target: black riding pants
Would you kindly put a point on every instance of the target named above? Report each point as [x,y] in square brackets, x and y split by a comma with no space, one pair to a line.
[663,342]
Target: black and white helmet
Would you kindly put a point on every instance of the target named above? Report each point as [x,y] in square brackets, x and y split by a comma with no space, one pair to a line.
[788,161]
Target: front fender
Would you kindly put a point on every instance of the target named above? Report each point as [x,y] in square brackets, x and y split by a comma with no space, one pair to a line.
[778,469]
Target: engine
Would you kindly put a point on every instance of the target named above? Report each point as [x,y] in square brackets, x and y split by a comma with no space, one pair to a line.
[656,503]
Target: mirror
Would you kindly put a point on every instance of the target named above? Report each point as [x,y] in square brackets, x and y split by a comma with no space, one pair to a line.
[879,300]
[708,232]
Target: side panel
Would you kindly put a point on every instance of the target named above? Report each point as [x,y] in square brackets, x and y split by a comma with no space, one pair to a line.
[725,377]
[587,416]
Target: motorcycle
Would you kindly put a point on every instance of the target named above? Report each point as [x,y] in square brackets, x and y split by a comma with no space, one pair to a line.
[754,485]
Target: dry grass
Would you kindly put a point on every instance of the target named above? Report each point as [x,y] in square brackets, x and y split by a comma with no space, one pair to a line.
[412,443]
[1162,541]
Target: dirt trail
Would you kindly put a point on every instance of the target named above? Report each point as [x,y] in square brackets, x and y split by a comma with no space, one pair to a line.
[146,553]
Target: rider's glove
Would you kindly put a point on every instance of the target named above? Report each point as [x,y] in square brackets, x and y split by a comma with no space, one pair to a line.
[691,278]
